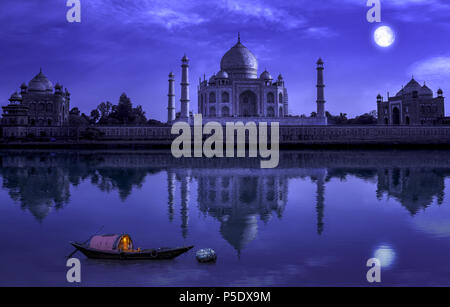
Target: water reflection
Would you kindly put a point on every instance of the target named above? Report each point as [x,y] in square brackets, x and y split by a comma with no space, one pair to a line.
[237,199]
[235,192]
[415,189]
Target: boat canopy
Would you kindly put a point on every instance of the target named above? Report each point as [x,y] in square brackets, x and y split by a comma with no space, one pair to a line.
[111,242]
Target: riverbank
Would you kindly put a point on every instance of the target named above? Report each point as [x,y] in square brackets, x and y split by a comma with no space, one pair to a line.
[290,137]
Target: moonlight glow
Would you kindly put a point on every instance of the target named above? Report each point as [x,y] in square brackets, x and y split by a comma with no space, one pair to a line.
[386,255]
[384,36]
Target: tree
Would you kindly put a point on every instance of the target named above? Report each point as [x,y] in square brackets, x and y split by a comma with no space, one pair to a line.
[105,109]
[77,120]
[75,111]
[139,116]
[365,119]
[95,115]
[124,111]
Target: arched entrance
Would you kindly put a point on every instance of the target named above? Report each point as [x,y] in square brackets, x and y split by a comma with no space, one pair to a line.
[395,116]
[247,104]
[407,120]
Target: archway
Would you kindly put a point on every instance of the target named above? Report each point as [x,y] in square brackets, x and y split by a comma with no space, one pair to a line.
[225,97]
[212,112]
[225,112]
[212,97]
[270,98]
[395,116]
[247,104]
[407,120]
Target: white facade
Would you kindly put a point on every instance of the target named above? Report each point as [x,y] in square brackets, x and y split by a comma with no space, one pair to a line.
[236,92]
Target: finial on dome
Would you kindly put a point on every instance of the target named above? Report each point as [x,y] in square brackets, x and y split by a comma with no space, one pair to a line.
[239,37]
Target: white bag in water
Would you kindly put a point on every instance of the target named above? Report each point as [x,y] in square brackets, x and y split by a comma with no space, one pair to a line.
[206,255]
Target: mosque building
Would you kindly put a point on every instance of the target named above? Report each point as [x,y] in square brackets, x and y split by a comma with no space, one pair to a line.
[414,104]
[38,104]
[237,92]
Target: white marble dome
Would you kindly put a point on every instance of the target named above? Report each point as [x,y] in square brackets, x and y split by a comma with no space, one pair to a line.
[240,61]
[266,76]
[222,75]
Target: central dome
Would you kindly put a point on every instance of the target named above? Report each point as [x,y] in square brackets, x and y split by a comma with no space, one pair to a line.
[240,62]
[40,83]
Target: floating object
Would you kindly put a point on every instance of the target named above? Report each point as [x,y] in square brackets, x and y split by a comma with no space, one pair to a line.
[206,255]
[120,247]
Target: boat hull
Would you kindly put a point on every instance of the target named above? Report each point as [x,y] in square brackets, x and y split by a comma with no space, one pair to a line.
[150,254]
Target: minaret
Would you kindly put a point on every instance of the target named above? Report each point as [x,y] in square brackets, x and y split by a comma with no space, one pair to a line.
[171,103]
[320,90]
[184,212]
[171,191]
[320,204]
[185,88]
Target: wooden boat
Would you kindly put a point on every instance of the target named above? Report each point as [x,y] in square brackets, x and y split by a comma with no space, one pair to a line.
[120,247]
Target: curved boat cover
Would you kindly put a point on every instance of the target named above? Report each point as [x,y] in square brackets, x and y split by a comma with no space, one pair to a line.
[109,242]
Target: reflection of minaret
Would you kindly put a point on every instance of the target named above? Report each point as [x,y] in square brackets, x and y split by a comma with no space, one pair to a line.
[184,205]
[171,102]
[320,200]
[171,192]
[320,90]
[185,88]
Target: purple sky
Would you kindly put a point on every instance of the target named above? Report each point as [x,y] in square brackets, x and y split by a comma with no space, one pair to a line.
[131,46]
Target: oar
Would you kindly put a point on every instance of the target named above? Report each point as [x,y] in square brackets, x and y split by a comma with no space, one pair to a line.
[76,250]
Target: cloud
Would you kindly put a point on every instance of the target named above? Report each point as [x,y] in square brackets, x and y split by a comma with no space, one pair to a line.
[170,19]
[435,69]
[263,11]
[319,32]
[167,14]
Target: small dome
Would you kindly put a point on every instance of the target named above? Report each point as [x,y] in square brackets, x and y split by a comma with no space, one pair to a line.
[440,92]
[222,75]
[58,86]
[185,58]
[212,79]
[23,86]
[265,76]
[40,83]
[379,96]
[280,77]
[15,97]
[426,91]
[320,61]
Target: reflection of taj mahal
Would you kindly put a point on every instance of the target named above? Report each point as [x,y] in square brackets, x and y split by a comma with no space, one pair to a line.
[237,91]
[239,199]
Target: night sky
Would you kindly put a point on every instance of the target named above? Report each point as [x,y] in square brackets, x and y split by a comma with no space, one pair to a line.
[132,45]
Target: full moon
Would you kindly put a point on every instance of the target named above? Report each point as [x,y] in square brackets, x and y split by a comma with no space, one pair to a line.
[384,36]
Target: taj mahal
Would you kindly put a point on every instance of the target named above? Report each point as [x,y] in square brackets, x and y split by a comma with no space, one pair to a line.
[237,92]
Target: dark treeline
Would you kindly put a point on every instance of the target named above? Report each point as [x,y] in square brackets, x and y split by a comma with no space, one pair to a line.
[109,114]
[341,119]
